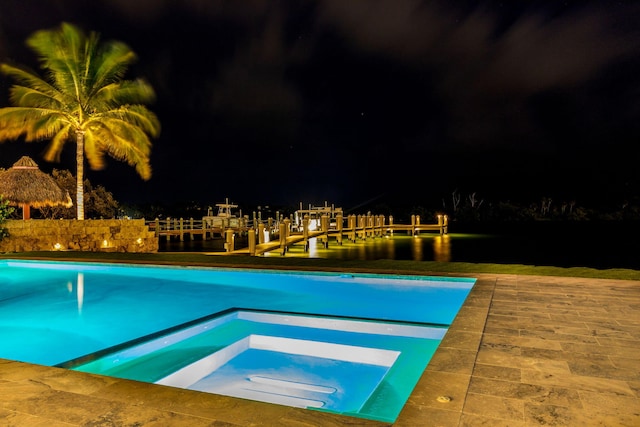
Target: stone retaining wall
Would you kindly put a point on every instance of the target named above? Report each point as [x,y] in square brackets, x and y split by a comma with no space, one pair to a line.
[91,235]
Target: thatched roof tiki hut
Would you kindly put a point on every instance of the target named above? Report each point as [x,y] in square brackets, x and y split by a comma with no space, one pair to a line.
[25,185]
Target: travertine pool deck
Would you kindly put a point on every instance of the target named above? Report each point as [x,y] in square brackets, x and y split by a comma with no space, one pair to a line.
[524,350]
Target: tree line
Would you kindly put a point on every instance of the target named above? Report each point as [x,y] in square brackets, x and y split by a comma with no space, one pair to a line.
[473,208]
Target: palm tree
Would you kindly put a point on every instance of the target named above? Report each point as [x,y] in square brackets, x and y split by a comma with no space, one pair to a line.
[83,99]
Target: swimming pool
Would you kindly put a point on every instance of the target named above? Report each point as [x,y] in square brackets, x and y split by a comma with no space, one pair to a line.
[211,325]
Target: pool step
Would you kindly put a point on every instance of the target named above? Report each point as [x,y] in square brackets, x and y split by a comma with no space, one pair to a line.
[286,371]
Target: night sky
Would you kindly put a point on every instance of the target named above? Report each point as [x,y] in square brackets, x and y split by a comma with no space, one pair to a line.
[277,102]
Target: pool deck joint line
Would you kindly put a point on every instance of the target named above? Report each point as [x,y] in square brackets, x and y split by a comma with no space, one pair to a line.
[522,351]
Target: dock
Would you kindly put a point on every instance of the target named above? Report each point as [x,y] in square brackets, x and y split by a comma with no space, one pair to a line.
[207,227]
[180,228]
[351,228]
[324,224]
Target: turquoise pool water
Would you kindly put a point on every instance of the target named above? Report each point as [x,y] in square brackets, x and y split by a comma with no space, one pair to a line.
[314,335]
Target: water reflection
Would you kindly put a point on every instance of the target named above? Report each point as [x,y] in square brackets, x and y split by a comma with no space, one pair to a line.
[391,247]
[416,248]
[561,245]
[425,247]
[362,252]
[313,247]
[79,290]
[419,248]
[442,248]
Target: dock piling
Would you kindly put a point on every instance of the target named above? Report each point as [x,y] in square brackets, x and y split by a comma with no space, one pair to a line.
[305,232]
[229,240]
[324,226]
[251,237]
[261,233]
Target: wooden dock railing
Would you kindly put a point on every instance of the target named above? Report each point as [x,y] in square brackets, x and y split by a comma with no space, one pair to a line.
[180,227]
[280,234]
[361,227]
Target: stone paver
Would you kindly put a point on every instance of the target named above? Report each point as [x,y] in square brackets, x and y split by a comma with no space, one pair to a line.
[523,351]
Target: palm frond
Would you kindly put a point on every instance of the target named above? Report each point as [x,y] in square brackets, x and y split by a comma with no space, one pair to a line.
[60,52]
[64,76]
[28,97]
[124,142]
[29,79]
[112,60]
[135,154]
[93,151]
[54,149]
[137,115]
[116,134]
[45,127]
[11,125]
[17,121]
[125,92]
[89,62]
[34,123]
[134,135]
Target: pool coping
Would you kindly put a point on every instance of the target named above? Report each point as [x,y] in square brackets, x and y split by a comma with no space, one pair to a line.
[447,393]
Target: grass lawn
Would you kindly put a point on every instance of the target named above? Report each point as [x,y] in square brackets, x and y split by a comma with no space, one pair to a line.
[382,266]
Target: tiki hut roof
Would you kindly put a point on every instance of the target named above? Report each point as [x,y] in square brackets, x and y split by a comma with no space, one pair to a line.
[25,184]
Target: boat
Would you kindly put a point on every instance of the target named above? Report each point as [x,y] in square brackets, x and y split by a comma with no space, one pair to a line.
[225,218]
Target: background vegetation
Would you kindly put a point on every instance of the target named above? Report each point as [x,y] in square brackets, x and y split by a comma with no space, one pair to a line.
[5,212]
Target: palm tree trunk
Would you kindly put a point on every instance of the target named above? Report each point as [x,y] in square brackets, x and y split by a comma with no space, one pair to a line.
[80,174]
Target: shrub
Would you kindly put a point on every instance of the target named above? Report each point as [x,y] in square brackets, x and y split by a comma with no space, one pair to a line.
[5,211]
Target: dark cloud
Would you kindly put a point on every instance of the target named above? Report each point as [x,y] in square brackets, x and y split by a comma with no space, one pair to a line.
[530,52]
[253,81]
[490,65]
[150,11]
